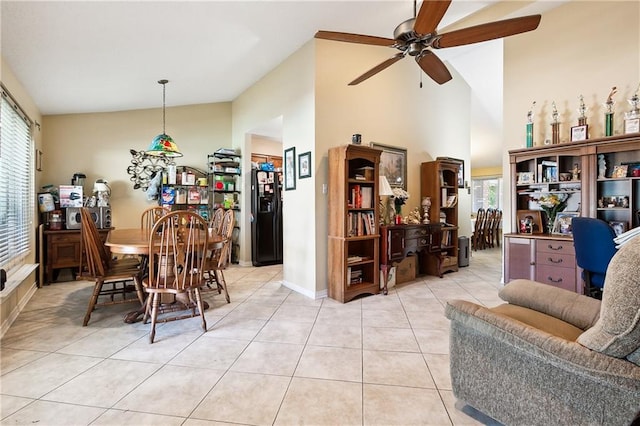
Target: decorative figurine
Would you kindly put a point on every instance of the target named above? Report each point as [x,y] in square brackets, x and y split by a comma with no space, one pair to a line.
[602,166]
[426,205]
[575,172]
[608,115]
[530,126]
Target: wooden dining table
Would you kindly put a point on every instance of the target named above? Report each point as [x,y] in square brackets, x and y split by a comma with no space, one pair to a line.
[135,241]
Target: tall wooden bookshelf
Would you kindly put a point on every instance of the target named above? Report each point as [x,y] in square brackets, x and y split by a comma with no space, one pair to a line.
[439,180]
[353,257]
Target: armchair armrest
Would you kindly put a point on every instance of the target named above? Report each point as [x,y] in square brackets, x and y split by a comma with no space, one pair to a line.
[576,309]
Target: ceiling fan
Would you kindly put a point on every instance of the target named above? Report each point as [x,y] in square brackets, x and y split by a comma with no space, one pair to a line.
[417,36]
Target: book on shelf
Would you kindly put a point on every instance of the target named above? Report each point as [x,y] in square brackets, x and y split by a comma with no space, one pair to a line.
[360,223]
[367,197]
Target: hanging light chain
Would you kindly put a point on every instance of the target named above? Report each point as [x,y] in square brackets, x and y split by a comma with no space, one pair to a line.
[164,92]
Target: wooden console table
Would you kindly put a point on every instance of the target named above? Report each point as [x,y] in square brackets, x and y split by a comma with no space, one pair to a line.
[61,249]
[398,241]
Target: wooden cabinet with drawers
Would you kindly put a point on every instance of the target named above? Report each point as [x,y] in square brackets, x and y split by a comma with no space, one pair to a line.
[61,249]
[546,259]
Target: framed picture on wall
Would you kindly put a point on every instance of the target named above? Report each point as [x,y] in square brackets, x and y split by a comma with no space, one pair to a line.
[290,168]
[304,165]
[393,164]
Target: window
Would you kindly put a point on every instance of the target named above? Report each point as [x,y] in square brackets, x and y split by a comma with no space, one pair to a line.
[487,193]
[16,183]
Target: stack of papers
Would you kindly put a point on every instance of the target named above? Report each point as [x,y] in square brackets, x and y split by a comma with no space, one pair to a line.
[624,238]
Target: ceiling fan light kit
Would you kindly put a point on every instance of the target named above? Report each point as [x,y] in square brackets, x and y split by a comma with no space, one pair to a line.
[417,37]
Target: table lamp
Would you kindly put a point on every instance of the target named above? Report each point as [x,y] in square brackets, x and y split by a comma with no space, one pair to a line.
[385,190]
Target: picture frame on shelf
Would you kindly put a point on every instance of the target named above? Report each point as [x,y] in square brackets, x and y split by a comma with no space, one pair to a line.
[529,221]
[562,223]
[620,171]
[631,125]
[579,133]
[633,169]
[451,200]
[525,178]
[393,164]
[618,227]
[290,169]
[304,165]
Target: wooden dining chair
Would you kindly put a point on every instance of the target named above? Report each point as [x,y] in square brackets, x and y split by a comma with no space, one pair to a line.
[112,278]
[216,221]
[150,216]
[177,255]
[478,229]
[220,257]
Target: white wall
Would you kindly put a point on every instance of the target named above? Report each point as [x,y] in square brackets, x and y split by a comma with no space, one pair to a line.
[287,91]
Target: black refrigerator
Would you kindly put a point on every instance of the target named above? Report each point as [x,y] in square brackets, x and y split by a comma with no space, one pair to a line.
[266,217]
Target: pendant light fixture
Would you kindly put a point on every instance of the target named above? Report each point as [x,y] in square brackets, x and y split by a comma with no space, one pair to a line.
[163,145]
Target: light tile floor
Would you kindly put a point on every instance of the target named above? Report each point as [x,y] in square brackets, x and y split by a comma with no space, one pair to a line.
[271,357]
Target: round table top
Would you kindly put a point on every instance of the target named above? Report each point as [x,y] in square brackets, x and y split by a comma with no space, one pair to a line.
[136,240]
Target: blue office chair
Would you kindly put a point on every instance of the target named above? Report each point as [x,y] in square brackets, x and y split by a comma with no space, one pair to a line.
[593,242]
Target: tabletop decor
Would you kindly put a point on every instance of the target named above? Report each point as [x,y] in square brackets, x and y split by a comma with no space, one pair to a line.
[400,197]
[530,126]
[552,204]
[632,118]
[555,125]
[608,115]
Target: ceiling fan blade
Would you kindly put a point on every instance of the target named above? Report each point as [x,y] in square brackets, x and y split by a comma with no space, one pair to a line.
[433,67]
[375,70]
[430,15]
[355,38]
[489,31]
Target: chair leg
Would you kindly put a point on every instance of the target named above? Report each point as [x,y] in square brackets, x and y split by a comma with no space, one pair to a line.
[97,288]
[147,308]
[222,284]
[200,308]
[155,303]
[138,284]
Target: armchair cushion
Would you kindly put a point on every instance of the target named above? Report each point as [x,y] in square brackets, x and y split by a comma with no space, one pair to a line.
[617,331]
[576,309]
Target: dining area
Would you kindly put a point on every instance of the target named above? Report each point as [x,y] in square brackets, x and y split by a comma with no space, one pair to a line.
[163,266]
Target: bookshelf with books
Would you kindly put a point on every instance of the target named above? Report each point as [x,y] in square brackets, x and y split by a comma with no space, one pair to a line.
[439,180]
[353,244]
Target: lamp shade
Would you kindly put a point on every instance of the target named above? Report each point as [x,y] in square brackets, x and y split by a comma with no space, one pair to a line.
[385,188]
[163,145]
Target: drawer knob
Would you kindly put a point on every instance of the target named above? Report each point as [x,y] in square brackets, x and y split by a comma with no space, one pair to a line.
[554,248]
[552,260]
[559,280]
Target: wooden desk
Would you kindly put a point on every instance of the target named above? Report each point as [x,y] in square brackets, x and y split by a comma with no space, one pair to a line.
[398,241]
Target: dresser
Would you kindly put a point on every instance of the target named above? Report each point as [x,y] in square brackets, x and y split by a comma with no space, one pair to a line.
[399,241]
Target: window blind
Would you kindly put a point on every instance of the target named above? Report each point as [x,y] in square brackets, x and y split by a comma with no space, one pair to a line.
[16,183]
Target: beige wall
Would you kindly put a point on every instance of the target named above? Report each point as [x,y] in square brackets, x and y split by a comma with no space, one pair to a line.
[391,109]
[98,145]
[19,290]
[580,48]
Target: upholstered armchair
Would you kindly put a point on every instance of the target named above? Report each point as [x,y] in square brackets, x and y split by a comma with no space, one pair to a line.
[550,356]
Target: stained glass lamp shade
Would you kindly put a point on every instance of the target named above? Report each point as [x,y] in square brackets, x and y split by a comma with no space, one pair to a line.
[163,145]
